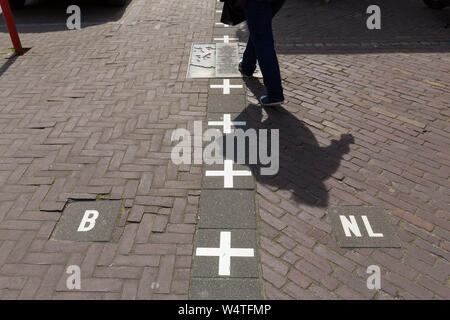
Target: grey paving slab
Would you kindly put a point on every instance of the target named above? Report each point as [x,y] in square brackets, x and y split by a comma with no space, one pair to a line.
[226,103]
[214,116]
[225,289]
[202,61]
[236,87]
[233,82]
[227,58]
[229,209]
[243,182]
[72,218]
[231,31]
[217,60]
[362,227]
[241,267]
[215,148]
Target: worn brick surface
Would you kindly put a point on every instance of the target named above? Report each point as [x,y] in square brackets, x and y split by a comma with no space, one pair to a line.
[88,114]
[394,100]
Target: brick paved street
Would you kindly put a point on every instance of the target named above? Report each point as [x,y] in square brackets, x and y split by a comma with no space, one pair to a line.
[88,115]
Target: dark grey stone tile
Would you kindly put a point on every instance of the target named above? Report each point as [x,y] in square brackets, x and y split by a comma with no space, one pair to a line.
[225,289]
[241,267]
[226,103]
[72,216]
[233,82]
[227,209]
[242,182]
[358,233]
[233,115]
[231,31]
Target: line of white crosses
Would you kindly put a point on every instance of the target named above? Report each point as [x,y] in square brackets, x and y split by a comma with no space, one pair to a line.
[225,252]
[228,173]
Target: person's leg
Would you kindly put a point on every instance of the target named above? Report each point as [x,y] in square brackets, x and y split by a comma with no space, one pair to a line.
[249,58]
[259,21]
[276,6]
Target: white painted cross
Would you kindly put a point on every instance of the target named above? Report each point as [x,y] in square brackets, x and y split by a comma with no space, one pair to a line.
[228,173]
[226,123]
[226,86]
[225,252]
[226,39]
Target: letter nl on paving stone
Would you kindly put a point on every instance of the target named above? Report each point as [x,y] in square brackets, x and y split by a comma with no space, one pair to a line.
[362,227]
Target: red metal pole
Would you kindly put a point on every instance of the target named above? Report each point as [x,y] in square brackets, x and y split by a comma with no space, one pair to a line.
[11,26]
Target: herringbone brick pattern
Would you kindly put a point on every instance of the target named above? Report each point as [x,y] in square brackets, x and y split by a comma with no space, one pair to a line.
[88,115]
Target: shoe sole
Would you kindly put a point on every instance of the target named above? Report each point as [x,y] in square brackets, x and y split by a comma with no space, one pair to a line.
[271,104]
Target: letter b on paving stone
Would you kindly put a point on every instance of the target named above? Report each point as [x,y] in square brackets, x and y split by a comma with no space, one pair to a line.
[88,221]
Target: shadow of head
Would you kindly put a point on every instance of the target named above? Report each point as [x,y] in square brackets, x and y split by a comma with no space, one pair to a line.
[289,156]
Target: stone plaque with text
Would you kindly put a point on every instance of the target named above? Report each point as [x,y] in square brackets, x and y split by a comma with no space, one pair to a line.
[217,60]
[227,59]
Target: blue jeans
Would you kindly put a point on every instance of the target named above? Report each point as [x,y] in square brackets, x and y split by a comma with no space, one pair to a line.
[261,46]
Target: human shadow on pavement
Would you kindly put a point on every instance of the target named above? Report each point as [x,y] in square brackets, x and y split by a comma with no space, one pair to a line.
[303,164]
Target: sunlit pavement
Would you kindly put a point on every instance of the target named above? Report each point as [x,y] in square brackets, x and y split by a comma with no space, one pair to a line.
[86,117]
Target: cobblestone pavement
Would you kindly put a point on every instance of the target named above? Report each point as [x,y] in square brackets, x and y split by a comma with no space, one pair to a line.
[394,100]
[88,115]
